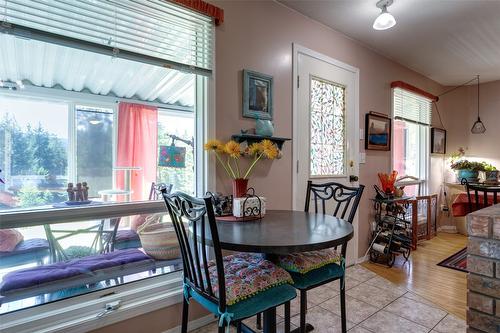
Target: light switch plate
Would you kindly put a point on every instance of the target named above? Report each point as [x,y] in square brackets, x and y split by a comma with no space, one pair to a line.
[361,134]
[362,158]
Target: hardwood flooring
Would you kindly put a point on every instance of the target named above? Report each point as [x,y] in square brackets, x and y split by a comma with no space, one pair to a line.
[442,286]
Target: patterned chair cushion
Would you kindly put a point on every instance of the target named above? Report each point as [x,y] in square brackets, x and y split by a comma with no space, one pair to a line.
[246,275]
[307,261]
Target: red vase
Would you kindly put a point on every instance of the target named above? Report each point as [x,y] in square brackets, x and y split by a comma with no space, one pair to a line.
[240,186]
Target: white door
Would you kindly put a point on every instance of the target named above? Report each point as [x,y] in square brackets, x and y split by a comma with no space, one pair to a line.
[326,129]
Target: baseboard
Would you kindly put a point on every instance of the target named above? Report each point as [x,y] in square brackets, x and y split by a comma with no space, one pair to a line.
[194,324]
[362,259]
[448,229]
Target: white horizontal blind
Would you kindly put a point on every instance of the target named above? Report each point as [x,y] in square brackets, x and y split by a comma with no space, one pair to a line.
[412,107]
[153,28]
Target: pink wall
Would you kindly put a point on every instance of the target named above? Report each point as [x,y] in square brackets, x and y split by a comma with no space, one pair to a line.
[258,35]
[460,112]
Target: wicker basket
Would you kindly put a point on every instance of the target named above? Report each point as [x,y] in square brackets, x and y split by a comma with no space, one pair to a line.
[158,239]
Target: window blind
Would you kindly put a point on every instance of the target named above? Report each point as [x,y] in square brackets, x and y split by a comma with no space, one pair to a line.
[411,107]
[155,29]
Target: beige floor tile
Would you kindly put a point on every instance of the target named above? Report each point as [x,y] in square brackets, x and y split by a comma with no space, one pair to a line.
[350,282]
[373,295]
[359,273]
[358,329]
[451,324]
[323,321]
[320,294]
[356,310]
[387,322]
[418,298]
[382,283]
[280,328]
[417,312]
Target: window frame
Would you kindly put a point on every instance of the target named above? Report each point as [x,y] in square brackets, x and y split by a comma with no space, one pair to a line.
[425,164]
[78,313]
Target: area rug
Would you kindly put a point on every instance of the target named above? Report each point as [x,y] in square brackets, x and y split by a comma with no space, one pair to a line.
[456,261]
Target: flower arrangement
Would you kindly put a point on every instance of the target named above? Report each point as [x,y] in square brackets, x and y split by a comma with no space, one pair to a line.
[387,181]
[229,156]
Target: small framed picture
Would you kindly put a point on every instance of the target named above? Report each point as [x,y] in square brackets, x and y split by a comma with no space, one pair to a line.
[377,132]
[257,95]
[438,141]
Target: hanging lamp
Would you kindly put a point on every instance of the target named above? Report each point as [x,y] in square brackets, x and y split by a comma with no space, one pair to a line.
[478,127]
[384,20]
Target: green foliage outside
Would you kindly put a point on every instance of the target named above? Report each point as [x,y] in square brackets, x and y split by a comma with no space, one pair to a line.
[181,178]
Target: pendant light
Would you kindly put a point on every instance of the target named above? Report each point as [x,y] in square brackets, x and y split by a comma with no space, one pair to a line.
[478,127]
[385,20]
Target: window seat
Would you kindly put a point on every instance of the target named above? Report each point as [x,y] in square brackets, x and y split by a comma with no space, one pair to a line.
[73,273]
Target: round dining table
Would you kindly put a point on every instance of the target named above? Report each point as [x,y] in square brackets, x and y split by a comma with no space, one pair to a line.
[282,232]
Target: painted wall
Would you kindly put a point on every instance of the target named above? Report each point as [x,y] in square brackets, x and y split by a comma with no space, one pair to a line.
[258,35]
[460,112]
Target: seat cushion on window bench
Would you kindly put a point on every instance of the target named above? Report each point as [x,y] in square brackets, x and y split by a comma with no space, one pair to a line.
[27,246]
[247,275]
[74,272]
[305,262]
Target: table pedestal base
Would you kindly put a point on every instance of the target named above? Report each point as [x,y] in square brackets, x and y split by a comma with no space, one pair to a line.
[309,328]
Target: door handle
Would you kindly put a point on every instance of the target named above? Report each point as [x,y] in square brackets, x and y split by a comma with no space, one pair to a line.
[353,178]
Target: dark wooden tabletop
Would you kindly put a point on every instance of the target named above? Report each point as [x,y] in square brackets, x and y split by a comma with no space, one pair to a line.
[283,232]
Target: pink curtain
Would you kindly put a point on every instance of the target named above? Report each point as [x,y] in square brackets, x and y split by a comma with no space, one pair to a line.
[137,146]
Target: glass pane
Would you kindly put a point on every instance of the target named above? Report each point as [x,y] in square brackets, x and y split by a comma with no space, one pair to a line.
[34,152]
[327,150]
[94,148]
[176,150]
[46,263]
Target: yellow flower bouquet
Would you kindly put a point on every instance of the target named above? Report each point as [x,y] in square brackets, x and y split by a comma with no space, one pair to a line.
[228,155]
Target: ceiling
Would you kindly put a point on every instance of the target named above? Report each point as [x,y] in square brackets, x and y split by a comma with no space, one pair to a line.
[449,41]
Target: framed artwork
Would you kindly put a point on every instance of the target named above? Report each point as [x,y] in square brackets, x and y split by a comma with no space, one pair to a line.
[377,132]
[257,95]
[438,141]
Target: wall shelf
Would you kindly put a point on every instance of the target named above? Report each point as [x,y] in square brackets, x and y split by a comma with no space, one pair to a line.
[252,138]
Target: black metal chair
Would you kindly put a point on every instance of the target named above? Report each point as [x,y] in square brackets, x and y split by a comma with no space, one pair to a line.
[481,195]
[343,202]
[199,282]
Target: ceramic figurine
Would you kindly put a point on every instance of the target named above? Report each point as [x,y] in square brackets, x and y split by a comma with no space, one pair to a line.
[264,127]
[79,192]
[71,192]
[85,191]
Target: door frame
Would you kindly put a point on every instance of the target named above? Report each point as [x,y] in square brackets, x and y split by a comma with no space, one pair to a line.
[296,50]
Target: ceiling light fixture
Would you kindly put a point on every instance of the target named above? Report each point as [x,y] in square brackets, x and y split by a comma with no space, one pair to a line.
[478,127]
[385,20]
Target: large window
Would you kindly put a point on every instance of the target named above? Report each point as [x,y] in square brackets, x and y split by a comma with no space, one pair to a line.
[412,118]
[113,94]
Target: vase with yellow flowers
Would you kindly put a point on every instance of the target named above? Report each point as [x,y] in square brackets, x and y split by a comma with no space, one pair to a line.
[230,154]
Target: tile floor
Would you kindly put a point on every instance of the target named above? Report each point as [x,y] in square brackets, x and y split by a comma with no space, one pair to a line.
[374,305]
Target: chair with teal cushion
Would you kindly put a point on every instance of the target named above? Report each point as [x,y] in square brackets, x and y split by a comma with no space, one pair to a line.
[313,269]
[233,287]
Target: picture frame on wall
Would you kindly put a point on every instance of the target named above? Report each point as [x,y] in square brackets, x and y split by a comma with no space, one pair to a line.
[257,95]
[438,141]
[378,129]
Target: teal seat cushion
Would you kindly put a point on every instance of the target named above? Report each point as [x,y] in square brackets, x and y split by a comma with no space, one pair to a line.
[250,306]
[317,276]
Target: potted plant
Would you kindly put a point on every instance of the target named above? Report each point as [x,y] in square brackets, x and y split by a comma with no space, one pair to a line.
[490,172]
[228,155]
[467,169]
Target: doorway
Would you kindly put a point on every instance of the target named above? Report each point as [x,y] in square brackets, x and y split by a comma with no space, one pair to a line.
[325,127]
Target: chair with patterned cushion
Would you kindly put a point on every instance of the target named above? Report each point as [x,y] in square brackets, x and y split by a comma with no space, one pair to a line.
[234,287]
[313,269]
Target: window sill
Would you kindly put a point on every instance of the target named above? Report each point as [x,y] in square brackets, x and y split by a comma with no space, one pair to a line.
[79,314]
[48,214]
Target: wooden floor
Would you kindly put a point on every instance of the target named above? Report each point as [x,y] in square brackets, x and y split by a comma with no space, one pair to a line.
[443,286]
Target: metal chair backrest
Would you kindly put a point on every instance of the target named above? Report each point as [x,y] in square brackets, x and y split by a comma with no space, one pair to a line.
[484,195]
[344,200]
[197,214]
[155,190]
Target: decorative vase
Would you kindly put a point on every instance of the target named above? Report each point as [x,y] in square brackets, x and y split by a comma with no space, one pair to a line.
[264,127]
[470,175]
[240,186]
